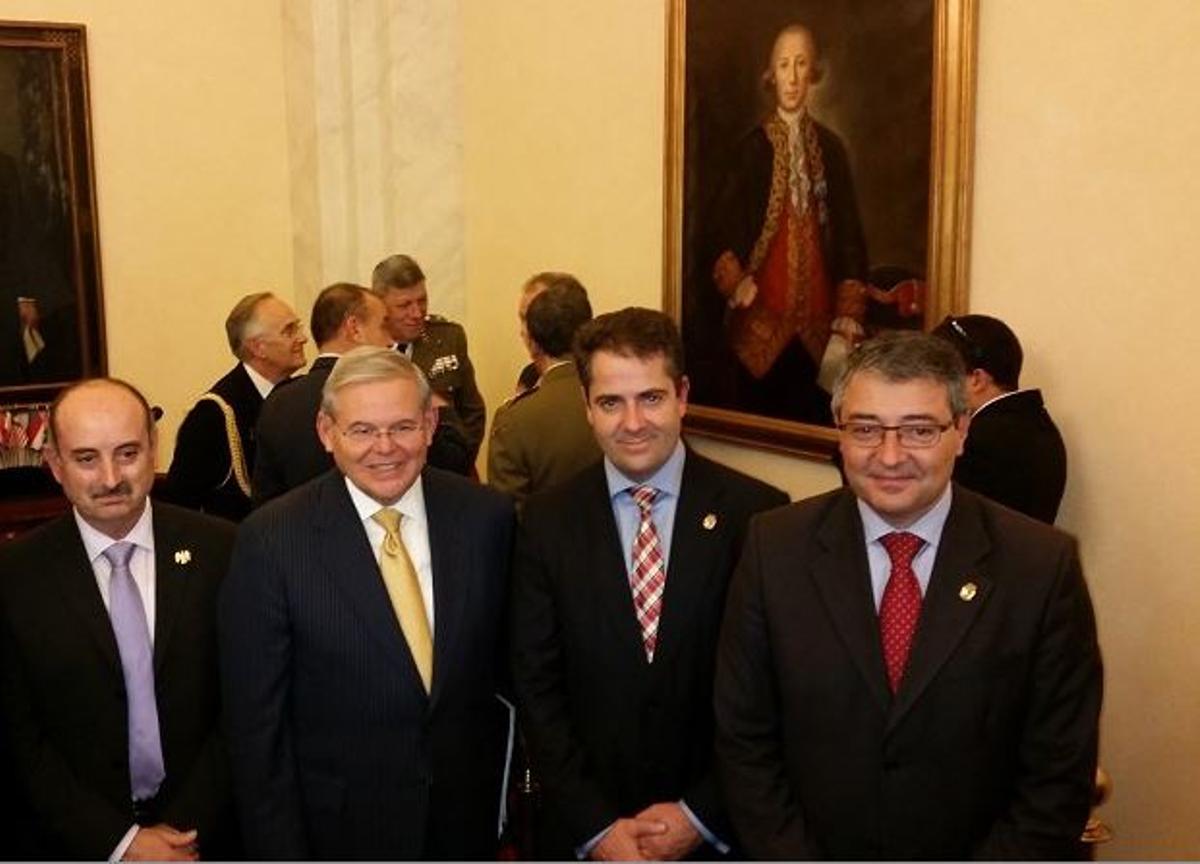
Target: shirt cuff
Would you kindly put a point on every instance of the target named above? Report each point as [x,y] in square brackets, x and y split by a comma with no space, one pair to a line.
[123,846]
[712,839]
[585,850]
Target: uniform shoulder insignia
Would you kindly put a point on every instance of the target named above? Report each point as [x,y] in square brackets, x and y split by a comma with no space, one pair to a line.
[524,394]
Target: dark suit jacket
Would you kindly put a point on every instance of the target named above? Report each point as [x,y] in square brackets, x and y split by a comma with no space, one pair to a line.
[1015,455]
[989,747]
[201,474]
[337,750]
[64,693]
[288,451]
[608,733]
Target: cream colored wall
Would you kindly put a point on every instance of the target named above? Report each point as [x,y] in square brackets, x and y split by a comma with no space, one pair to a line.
[191,179]
[1085,218]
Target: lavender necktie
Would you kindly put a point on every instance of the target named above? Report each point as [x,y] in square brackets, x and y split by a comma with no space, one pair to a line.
[128,616]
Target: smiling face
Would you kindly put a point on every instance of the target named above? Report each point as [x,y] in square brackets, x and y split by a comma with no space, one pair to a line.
[379,434]
[406,311]
[103,455]
[793,63]
[278,349]
[636,411]
[899,483]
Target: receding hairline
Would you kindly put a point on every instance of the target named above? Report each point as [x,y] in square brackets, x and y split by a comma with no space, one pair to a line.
[88,384]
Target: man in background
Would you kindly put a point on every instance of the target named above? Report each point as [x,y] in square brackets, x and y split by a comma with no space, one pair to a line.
[1014,453]
[108,627]
[620,580]
[214,450]
[289,452]
[438,347]
[907,670]
[541,437]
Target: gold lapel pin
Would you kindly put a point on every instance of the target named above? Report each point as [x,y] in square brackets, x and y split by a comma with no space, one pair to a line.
[183,556]
[968,591]
[710,522]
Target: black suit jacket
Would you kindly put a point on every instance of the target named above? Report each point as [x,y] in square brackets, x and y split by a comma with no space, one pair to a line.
[288,450]
[201,473]
[989,747]
[1015,455]
[337,750]
[608,733]
[64,693]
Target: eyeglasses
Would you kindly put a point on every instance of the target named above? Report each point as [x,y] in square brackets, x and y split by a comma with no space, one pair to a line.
[915,436]
[364,434]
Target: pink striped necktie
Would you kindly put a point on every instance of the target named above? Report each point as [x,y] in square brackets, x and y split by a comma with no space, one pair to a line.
[649,575]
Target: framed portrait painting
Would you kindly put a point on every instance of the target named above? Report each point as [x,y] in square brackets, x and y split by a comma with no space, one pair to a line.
[51,314]
[818,180]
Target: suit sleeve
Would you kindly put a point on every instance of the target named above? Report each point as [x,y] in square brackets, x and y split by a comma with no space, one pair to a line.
[85,821]
[268,480]
[1059,741]
[256,656]
[201,460]
[539,671]
[505,470]
[750,762]
[468,403]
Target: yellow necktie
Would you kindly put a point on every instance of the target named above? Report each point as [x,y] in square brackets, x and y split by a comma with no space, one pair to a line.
[400,578]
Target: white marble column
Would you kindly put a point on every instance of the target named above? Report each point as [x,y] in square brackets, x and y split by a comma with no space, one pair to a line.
[375,142]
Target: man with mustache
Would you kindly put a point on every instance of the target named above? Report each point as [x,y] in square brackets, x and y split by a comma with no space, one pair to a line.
[108,633]
[619,585]
[907,670]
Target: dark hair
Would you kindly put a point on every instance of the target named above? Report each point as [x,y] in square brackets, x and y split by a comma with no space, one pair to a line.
[985,343]
[556,314]
[239,324]
[906,355]
[637,332]
[86,382]
[396,271]
[333,306]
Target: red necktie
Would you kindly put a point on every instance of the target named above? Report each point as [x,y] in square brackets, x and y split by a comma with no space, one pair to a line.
[649,575]
[901,604]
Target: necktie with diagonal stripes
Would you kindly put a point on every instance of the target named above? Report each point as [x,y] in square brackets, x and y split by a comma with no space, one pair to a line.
[649,575]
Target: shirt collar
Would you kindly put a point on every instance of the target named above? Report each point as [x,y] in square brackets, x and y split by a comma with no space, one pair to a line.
[928,527]
[261,384]
[411,503]
[96,542]
[667,479]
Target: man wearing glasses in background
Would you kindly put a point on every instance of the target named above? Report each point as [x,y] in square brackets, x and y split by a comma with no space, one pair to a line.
[907,670]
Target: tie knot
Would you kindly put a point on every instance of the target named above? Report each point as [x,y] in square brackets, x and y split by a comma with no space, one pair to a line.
[389,519]
[902,547]
[644,497]
[118,554]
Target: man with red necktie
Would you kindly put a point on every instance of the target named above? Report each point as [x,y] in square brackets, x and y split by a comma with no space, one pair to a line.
[620,582]
[906,669]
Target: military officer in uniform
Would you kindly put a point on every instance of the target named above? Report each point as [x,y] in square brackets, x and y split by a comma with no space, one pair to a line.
[541,437]
[438,347]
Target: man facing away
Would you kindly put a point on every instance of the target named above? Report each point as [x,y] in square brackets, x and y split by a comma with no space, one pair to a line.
[438,347]
[620,580]
[361,632]
[108,628]
[344,317]
[1014,454]
[214,450]
[541,437]
[906,669]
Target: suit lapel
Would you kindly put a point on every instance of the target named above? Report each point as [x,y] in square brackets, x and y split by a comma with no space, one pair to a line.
[945,615]
[347,560]
[843,579]
[450,589]
[77,583]
[171,582]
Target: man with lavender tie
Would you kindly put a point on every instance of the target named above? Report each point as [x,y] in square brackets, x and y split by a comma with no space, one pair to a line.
[907,670]
[108,641]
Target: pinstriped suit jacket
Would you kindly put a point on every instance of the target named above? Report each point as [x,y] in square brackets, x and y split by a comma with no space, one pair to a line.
[337,750]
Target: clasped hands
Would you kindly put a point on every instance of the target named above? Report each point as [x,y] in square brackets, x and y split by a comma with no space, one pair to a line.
[162,843]
[661,832]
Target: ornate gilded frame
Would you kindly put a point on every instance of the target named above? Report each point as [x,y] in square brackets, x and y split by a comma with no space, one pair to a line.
[949,198]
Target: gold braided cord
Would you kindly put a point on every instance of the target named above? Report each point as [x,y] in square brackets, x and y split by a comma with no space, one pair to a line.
[237,458]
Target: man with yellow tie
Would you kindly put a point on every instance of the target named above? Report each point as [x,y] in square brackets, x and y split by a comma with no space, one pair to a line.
[360,629]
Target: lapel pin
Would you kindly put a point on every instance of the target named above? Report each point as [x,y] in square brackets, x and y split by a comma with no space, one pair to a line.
[183,556]
[967,592]
[710,522]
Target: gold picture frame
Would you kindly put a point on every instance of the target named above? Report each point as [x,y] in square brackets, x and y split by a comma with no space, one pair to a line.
[701,118]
